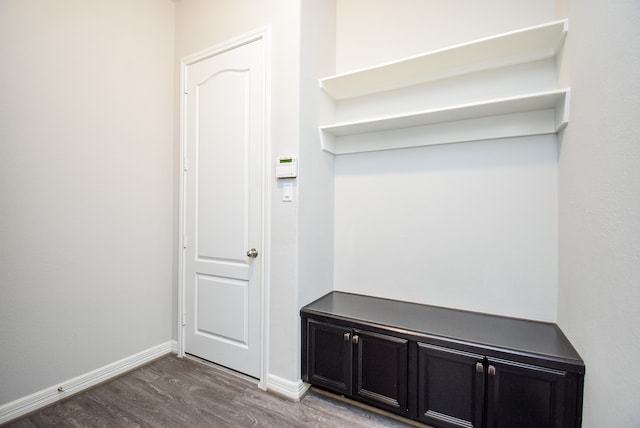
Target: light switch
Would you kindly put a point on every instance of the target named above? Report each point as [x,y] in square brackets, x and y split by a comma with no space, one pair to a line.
[287,192]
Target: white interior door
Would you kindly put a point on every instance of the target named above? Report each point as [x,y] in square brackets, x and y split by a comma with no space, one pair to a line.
[224,135]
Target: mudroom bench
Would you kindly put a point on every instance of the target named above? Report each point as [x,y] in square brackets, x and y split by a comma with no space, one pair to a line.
[443,367]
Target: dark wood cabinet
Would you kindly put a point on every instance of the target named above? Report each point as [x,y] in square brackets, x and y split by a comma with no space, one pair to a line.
[451,387]
[380,370]
[330,357]
[447,368]
[454,387]
[521,395]
[366,366]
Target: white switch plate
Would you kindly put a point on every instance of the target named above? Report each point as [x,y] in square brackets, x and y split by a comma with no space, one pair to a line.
[287,192]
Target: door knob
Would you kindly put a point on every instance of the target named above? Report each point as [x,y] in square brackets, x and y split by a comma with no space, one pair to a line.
[253,253]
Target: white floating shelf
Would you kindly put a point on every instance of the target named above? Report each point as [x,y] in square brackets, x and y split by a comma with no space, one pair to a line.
[529,44]
[532,114]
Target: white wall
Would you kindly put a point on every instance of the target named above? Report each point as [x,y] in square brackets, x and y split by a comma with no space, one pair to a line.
[316,197]
[371,32]
[201,24]
[599,215]
[85,186]
[471,225]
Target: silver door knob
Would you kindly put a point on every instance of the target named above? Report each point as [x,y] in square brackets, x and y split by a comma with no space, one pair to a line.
[253,253]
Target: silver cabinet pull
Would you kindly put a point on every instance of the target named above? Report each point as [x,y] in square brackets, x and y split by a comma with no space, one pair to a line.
[346,337]
[492,371]
[253,253]
[480,367]
[355,339]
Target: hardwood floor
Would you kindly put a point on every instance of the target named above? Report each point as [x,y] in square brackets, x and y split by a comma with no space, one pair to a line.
[174,392]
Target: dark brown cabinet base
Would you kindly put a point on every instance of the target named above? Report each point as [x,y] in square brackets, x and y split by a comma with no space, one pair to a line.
[450,387]
[370,367]
[444,367]
[521,395]
[330,358]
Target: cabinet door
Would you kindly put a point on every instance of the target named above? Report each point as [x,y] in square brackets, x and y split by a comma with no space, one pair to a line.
[450,387]
[329,356]
[524,396]
[381,370]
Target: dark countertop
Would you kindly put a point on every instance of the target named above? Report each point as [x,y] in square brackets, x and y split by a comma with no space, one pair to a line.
[512,334]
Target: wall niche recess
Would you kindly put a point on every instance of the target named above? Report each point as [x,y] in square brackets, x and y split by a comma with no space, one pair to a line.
[501,87]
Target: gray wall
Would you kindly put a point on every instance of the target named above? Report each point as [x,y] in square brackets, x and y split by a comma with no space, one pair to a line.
[86,119]
[599,206]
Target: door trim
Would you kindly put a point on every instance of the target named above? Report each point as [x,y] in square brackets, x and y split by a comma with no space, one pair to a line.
[263,34]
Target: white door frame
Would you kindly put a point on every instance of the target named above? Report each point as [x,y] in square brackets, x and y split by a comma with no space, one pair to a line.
[264,34]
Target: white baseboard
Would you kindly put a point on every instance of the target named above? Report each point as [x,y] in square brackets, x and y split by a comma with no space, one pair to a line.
[291,390]
[50,395]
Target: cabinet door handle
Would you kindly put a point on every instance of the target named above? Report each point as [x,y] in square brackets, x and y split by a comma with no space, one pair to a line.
[355,339]
[480,367]
[492,371]
[347,336]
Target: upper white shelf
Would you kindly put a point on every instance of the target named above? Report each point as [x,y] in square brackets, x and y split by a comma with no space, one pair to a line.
[529,44]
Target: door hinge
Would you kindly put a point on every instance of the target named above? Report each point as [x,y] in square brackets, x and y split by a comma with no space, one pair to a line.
[184,243]
[184,318]
[185,165]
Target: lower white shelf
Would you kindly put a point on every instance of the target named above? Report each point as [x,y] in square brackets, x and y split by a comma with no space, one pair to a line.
[532,114]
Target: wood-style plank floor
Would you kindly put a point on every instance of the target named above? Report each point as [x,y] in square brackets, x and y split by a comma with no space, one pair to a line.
[180,392]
